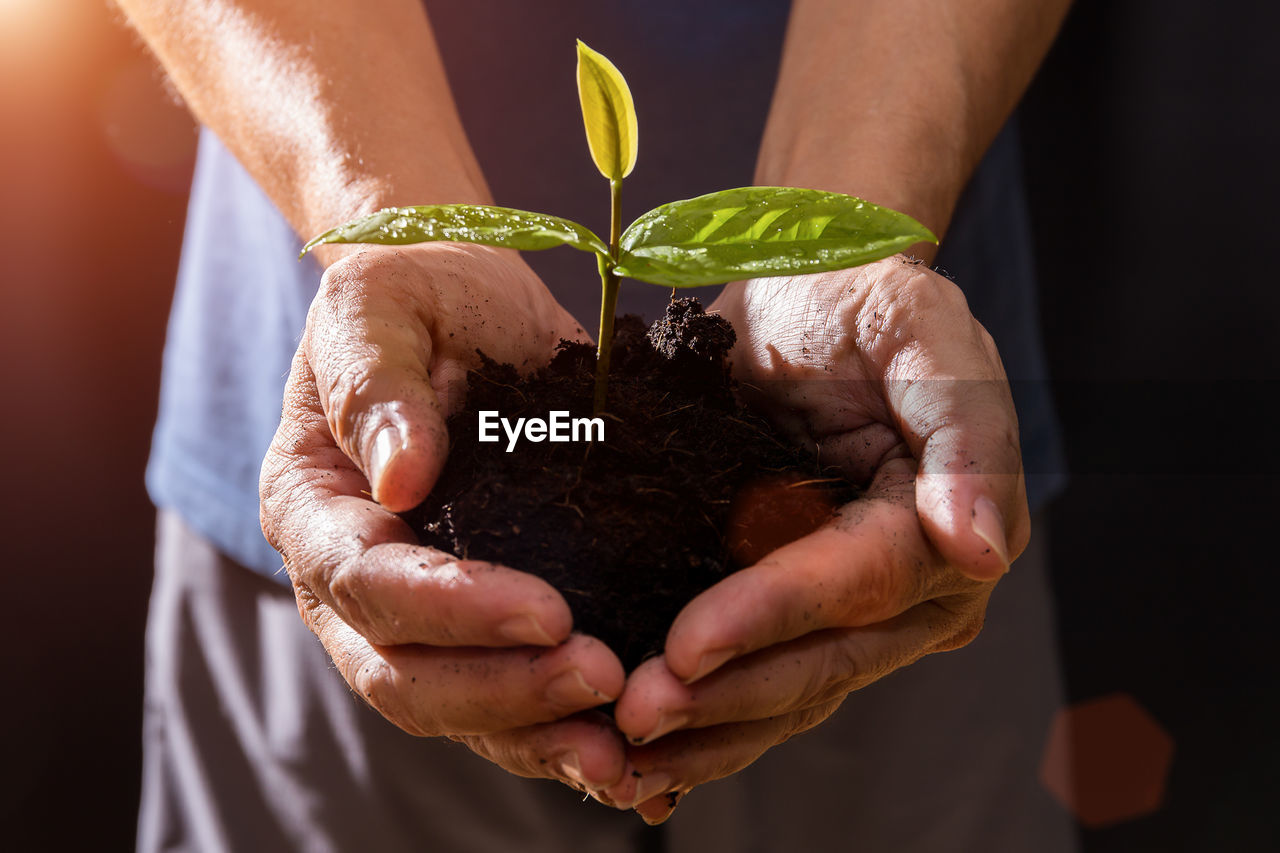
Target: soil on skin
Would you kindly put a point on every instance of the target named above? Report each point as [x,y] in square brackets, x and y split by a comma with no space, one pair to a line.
[687,486]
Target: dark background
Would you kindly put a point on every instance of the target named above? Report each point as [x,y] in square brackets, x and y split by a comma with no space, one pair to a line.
[1151,141]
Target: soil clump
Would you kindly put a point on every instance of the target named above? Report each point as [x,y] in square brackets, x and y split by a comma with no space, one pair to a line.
[687,486]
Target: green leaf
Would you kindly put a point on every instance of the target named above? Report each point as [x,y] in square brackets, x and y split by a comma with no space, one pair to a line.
[608,113]
[464,223]
[753,232]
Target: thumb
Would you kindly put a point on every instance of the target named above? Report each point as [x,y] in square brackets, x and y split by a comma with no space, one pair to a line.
[970,490]
[951,398]
[370,354]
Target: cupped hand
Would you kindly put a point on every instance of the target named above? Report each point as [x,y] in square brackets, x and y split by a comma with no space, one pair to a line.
[439,645]
[884,372]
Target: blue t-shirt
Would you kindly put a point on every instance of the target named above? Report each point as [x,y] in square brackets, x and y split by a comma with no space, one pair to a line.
[242,295]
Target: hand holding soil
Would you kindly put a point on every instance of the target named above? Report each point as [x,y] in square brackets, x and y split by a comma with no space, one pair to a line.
[882,372]
[438,645]
[886,373]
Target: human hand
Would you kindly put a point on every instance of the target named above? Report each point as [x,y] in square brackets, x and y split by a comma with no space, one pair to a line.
[886,374]
[438,645]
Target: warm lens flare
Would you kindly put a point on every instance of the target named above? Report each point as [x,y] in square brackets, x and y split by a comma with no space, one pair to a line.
[17,13]
[40,35]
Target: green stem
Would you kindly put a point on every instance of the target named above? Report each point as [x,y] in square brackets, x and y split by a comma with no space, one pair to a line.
[609,297]
[608,302]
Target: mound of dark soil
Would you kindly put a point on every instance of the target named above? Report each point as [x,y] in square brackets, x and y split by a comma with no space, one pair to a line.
[686,487]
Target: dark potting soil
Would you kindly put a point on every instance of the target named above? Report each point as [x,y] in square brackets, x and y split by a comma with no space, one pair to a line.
[686,487]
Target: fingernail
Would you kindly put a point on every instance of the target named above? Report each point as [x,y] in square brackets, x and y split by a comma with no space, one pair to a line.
[666,723]
[570,689]
[526,630]
[572,768]
[600,798]
[386,444]
[650,786]
[673,800]
[710,662]
[989,525]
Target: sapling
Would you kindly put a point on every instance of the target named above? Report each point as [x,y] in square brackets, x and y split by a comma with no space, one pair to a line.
[748,232]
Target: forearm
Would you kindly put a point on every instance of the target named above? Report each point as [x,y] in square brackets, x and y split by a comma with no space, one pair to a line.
[896,100]
[336,108]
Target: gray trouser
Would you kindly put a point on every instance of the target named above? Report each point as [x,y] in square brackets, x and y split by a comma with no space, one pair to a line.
[252,741]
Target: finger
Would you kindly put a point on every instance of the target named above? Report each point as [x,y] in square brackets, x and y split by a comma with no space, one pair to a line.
[583,751]
[951,400]
[812,670]
[369,343]
[657,810]
[866,566]
[430,691]
[364,562]
[686,759]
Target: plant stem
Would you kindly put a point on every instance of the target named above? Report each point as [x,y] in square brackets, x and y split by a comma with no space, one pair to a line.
[609,297]
[607,303]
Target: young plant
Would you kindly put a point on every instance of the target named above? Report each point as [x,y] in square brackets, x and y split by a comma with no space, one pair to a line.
[733,234]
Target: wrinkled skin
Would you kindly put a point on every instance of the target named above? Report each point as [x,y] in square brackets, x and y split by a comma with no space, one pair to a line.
[437,644]
[882,369]
[884,372]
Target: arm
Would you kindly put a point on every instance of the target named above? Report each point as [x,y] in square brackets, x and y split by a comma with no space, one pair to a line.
[338,109]
[885,370]
[897,100]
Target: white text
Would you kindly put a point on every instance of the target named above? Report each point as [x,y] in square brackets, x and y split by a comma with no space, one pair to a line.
[558,426]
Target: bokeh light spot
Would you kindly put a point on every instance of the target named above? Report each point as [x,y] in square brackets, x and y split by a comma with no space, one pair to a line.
[153,137]
[768,513]
[1107,760]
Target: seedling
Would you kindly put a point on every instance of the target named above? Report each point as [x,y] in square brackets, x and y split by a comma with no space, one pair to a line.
[748,232]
